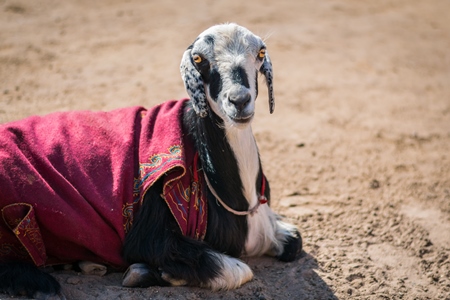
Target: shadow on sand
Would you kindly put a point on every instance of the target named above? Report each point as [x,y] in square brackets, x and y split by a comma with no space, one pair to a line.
[295,280]
[273,280]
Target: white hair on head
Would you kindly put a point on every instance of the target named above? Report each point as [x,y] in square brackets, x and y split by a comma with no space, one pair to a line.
[221,67]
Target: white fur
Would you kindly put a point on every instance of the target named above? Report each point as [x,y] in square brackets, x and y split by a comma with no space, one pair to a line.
[266,235]
[262,224]
[244,147]
[234,273]
[262,238]
[242,52]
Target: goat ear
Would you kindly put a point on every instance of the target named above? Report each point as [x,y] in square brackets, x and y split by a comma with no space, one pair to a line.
[266,69]
[194,84]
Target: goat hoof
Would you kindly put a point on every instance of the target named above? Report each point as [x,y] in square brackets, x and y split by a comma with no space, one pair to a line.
[135,275]
[292,247]
[91,268]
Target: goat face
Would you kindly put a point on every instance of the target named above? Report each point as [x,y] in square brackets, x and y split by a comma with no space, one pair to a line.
[220,71]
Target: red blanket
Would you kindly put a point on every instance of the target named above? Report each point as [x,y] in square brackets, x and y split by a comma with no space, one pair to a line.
[70,183]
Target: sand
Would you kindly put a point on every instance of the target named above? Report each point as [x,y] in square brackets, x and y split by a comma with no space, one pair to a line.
[357,151]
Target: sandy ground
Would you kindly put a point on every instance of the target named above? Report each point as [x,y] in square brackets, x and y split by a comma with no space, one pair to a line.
[357,151]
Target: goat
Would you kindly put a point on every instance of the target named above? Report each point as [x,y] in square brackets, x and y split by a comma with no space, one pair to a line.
[162,241]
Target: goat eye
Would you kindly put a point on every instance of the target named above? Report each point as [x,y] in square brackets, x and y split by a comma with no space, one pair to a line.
[262,53]
[197,58]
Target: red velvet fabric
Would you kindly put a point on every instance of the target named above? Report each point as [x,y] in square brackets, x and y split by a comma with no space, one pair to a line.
[72,182]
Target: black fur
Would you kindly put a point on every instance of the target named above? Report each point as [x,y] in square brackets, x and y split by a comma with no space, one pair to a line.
[256,85]
[292,246]
[18,278]
[155,237]
[239,76]
[203,68]
[215,85]
[226,232]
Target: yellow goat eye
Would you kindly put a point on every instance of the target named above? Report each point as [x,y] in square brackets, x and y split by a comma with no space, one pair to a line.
[197,58]
[262,53]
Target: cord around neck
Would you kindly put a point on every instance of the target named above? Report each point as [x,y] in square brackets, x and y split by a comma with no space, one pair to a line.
[261,199]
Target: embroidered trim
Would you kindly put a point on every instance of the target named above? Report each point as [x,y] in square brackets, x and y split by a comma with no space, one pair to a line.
[186,200]
[149,171]
[157,163]
[20,218]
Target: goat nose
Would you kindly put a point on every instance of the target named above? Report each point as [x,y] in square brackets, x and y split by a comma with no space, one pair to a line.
[240,100]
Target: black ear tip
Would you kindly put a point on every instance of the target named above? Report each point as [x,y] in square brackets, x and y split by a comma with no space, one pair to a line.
[271,106]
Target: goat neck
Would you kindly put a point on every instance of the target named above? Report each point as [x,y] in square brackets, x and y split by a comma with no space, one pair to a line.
[229,158]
